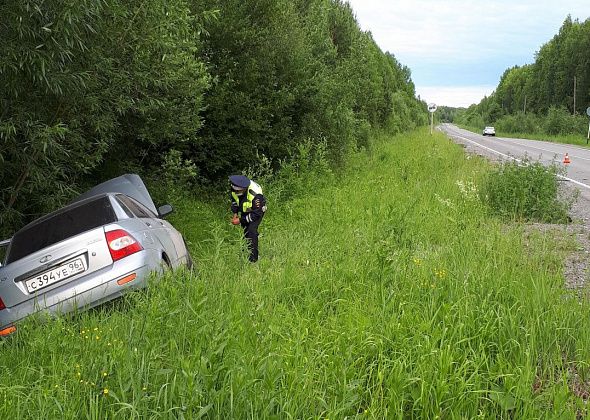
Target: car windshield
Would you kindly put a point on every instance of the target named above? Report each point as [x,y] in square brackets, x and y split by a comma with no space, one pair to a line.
[60,226]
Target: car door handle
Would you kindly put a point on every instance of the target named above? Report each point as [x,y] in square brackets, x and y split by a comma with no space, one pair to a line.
[148,224]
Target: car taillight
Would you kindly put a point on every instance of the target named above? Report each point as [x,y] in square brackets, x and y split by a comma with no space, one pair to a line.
[121,244]
[2,305]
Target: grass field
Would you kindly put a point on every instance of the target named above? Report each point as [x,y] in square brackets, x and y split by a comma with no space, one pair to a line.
[387,293]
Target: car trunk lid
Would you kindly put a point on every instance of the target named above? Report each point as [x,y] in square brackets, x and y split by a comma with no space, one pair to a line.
[54,266]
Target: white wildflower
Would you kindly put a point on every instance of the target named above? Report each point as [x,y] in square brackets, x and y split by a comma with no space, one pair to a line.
[444,201]
[468,189]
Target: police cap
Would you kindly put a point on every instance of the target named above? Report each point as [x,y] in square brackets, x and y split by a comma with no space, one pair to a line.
[239,181]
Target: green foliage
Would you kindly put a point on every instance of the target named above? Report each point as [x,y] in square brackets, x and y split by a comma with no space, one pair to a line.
[471,117]
[179,177]
[560,121]
[519,123]
[447,114]
[90,89]
[307,170]
[525,191]
[288,71]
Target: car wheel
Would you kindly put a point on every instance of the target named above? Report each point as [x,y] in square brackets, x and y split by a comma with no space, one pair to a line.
[165,263]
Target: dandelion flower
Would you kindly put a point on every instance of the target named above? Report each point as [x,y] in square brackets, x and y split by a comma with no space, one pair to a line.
[104,374]
[105,391]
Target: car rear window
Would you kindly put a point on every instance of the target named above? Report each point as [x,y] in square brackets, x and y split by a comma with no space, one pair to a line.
[60,226]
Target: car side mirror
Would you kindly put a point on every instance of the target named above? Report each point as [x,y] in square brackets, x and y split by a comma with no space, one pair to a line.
[165,210]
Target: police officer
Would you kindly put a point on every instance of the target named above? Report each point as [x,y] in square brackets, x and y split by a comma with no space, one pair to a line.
[248,202]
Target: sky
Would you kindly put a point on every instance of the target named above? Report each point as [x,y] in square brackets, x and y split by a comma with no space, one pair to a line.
[458,49]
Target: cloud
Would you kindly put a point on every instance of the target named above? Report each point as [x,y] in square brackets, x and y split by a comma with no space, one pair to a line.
[466,33]
[458,49]
[459,96]
[453,29]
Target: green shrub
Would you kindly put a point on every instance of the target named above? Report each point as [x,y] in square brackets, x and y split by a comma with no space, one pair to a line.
[557,121]
[518,123]
[526,191]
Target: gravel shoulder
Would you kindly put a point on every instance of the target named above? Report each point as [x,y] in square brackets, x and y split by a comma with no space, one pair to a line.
[576,263]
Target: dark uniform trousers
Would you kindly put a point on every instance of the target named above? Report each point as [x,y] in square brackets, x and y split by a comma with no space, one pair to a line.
[251,235]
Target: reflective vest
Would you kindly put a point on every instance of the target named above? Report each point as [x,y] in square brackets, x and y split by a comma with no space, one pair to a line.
[253,190]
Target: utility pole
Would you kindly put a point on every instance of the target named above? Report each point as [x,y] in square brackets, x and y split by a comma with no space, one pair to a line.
[575,95]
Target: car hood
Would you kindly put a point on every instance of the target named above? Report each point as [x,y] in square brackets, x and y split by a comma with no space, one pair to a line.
[128,184]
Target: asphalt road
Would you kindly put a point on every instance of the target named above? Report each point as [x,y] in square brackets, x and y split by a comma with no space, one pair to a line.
[577,172]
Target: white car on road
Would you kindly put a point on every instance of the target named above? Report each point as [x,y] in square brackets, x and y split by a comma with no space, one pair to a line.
[489,131]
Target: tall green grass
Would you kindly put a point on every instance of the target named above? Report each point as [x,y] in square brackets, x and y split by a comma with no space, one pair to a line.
[387,293]
[526,191]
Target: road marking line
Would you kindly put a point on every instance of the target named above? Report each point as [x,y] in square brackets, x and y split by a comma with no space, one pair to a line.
[581,184]
[487,148]
[509,140]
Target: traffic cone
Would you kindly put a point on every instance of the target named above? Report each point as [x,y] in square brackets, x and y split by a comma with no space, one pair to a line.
[566,159]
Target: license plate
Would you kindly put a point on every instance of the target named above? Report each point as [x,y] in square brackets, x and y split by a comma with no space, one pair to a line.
[56,274]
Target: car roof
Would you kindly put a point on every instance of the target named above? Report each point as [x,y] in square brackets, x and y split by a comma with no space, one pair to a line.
[128,184]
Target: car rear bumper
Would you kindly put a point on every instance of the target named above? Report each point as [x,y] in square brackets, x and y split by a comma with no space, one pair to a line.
[87,291]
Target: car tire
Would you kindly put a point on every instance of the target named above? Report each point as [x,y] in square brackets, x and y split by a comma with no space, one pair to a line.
[165,264]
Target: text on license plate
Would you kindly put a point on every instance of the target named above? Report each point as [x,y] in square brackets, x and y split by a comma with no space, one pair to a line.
[64,271]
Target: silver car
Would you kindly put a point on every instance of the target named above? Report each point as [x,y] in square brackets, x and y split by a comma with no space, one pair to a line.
[104,243]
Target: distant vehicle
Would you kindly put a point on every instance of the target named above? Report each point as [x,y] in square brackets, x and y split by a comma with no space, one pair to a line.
[489,131]
[104,243]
